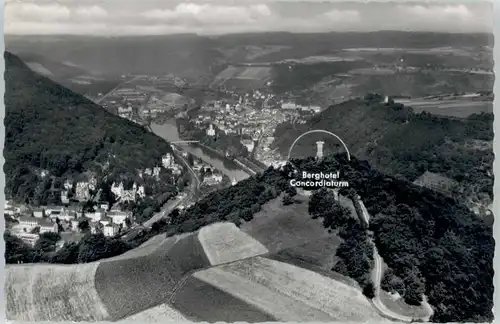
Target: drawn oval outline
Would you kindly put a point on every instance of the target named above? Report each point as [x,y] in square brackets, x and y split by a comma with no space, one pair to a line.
[319,131]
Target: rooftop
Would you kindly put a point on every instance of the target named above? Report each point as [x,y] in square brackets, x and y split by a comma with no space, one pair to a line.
[39,221]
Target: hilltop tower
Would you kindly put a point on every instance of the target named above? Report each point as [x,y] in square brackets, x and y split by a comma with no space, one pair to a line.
[319,149]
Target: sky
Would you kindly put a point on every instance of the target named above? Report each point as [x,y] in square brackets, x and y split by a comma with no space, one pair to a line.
[208,17]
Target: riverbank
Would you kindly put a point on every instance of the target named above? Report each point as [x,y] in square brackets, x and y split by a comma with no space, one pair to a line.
[249,166]
[228,167]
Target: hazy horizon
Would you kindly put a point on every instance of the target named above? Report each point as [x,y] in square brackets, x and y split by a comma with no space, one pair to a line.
[220,17]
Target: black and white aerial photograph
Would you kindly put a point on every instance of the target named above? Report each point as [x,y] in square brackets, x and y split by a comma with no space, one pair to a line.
[249,161]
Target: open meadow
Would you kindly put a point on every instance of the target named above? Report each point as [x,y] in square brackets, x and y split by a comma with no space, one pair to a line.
[280,227]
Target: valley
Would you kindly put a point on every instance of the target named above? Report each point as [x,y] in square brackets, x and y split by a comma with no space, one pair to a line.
[160,187]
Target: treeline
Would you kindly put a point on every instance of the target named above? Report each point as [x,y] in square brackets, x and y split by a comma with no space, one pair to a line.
[234,204]
[355,253]
[92,247]
[434,243]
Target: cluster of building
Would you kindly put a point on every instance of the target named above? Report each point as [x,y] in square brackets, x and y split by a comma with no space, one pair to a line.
[291,105]
[126,103]
[127,195]
[60,219]
[254,116]
[169,163]
[210,177]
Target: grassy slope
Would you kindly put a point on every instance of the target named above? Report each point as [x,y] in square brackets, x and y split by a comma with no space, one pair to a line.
[279,227]
[291,235]
[142,281]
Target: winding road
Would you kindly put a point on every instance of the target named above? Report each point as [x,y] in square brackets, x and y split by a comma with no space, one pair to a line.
[377,275]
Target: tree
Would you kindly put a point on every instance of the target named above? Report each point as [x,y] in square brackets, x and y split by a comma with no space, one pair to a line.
[369,290]
[84,225]
[291,191]
[190,160]
[68,254]
[94,247]
[16,251]
[392,283]
[287,200]
[47,242]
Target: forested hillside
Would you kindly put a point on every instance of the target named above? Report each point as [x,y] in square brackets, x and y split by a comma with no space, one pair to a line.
[53,134]
[434,244]
[400,142]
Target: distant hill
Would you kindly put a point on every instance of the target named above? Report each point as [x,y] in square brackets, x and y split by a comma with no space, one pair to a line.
[397,141]
[54,68]
[193,56]
[76,78]
[50,128]
[188,56]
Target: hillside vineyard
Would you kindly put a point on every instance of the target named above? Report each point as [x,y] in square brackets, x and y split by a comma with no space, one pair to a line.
[249,162]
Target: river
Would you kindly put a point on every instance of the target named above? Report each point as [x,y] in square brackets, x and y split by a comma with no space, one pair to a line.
[169,132]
